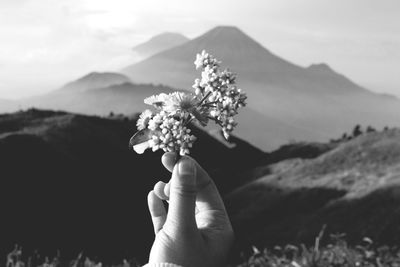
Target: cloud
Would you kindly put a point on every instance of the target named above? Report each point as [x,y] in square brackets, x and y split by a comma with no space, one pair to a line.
[46,43]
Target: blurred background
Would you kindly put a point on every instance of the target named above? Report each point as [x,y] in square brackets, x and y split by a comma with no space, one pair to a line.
[318,143]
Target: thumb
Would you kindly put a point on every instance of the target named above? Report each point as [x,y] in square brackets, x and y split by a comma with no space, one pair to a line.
[182,199]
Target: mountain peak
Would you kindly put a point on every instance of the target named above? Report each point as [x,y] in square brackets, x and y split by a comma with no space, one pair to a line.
[228,43]
[102,75]
[227,32]
[169,36]
[227,28]
[160,43]
[320,67]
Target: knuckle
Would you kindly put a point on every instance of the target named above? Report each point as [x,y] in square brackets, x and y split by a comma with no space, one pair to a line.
[184,191]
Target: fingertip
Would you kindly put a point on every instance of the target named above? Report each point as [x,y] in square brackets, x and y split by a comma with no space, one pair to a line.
[167,190]
[150,199]
[187,168]
[150,194]
[157,211]
[159,190]
[169,160]
[156,205]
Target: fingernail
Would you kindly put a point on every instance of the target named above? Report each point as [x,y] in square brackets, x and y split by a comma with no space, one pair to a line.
[186,166]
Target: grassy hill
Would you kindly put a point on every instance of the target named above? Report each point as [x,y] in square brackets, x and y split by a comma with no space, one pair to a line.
[353,188]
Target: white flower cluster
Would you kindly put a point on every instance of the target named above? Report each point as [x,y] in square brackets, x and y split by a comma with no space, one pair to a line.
[168,126]
[221,94]
[170,133]
[216,98]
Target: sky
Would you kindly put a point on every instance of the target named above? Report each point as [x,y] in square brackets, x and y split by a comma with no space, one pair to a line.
[47,43]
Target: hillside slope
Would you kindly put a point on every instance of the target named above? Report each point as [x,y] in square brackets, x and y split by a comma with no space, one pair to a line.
[350,188]
[95,80]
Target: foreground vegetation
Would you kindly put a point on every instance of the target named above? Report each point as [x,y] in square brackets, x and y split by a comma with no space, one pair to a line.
[334,254]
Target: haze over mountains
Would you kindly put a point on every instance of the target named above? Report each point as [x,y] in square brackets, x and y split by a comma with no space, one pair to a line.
[99,94]
[313,103]
[7,105]
[286,102]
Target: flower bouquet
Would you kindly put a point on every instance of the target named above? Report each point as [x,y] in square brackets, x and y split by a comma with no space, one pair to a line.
[215,98]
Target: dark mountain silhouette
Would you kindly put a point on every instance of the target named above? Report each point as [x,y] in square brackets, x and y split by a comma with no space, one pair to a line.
[159,43]
[351,188]
[70,182]
[314,103]
[95,80]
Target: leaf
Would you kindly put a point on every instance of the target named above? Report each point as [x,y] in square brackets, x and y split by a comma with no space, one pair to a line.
[139,141]
[200,117]
[226,135]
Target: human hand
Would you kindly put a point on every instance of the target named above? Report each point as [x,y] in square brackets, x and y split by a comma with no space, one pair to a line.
[196,231]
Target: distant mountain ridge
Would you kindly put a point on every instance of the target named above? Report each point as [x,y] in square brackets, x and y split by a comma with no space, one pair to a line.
[95,80]
[87,98]
[159,43]
[315,103]
[230,45]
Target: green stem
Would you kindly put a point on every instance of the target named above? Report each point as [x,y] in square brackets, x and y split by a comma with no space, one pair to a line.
[215,120]
[190,120]
[211,103]
[210,106]
[204,98]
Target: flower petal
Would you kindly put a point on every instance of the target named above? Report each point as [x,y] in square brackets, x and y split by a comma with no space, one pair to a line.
[140,148]
[156,100]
